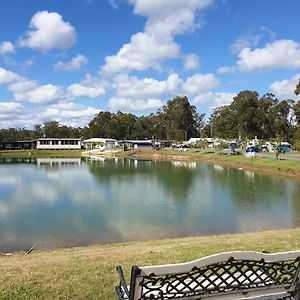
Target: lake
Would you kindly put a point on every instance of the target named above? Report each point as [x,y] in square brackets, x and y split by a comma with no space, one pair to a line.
[73,202]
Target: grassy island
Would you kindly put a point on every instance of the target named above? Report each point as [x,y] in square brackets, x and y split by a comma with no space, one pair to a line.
[89,272]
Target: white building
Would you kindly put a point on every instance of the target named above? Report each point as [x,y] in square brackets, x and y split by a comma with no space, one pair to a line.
[58,144]
[100,143]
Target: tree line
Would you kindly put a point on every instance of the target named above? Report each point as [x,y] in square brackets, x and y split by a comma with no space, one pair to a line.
[247,116]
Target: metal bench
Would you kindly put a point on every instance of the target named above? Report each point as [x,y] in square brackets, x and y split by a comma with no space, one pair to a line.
[230,275]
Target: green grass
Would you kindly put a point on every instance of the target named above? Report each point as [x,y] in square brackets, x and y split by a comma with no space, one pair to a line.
[262,164]
[89,273]
[40,153]
[285,165]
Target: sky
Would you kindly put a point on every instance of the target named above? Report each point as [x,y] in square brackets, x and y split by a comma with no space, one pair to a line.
[67,60]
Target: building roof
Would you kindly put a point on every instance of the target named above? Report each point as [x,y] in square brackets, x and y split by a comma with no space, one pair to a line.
[58,139]
[137,141]
[99,140]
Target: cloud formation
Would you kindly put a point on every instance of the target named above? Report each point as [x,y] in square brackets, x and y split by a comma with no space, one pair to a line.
[90,87]
[284,89]
[137,94]
[74,64]
[48,30]
[199,83]
[148,49]
[245,41]
[281,54]
[191,62]
[69,113]
[29,90]
[127,104]
[7,48]
[214,99]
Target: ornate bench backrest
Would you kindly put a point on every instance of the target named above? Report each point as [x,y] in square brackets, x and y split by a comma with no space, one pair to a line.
[231,273]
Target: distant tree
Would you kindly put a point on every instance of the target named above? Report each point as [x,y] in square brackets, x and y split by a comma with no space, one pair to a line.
[144,128]
[281,122]
[297,90]
[223,123]
[246,109]
[51,129]
[38,131]
[200,124]
[100,125]
[180,115]
[296,109]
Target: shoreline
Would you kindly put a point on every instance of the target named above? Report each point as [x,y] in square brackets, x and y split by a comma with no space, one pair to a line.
[285,168]
[89,272]
[276,167]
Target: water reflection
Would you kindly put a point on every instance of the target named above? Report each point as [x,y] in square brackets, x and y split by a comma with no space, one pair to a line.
[57,162]
[68,202]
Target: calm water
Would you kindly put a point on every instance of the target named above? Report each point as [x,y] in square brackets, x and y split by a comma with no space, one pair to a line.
[71,202]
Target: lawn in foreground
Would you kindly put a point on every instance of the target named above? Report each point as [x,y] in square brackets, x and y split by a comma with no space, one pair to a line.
[89,272]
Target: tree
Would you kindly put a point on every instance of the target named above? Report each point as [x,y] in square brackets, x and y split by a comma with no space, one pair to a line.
[297,90]
[246,108]
[180,116]
[296,109]
[100,125]
[51,129]
[223,123]
[280,113]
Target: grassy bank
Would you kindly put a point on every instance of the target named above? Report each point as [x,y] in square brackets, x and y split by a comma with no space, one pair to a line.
[271,165]
[89,273]
[40,153]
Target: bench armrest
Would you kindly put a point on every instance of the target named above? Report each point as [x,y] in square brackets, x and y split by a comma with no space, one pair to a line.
[122,289]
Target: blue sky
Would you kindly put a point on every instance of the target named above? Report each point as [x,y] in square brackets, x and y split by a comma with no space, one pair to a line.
[66,60]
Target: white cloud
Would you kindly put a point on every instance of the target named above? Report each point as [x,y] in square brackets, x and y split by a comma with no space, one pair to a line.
[281,54]
[214,99]
[69,113]
[90,87]
[135,88]
[199,83]
[6,48]
[161,9]
[7,77]
[150,48]
[44,94]
[191,62]
[29,90]
[10,107]
[142,94]
[9,111]
[284,89]
[223,70]
[143,52]
[74,64]
[79,90]
[245,41]
[127,105]
[48,31]
[22,86]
